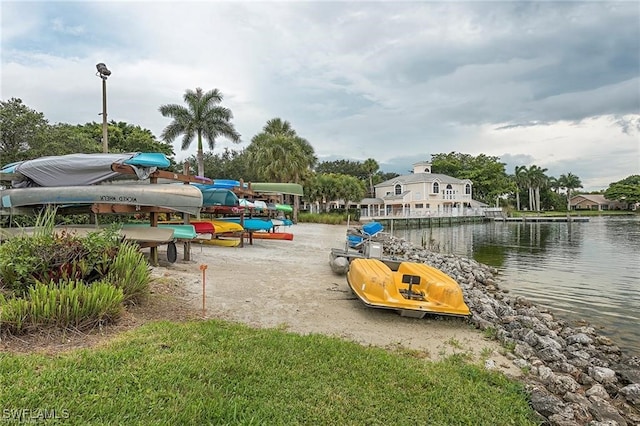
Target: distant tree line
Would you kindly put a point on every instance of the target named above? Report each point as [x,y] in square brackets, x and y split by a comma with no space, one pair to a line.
[278,154]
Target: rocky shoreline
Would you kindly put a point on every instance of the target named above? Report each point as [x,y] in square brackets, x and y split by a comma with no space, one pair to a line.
[574,376]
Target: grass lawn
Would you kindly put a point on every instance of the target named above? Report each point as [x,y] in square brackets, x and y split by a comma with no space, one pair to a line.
[214,372]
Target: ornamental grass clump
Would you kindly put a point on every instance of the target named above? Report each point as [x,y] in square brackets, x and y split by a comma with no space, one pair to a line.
[130,272]
[63,304]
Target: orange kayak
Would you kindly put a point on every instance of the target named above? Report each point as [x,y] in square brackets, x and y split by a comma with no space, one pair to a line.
[270,235]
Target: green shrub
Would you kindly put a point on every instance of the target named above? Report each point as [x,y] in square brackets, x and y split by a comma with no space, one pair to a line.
[327,218]
[63,304]
[55,256]
[88,277]
[130,272]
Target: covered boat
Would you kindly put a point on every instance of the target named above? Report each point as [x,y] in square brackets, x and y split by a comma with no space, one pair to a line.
[412,289]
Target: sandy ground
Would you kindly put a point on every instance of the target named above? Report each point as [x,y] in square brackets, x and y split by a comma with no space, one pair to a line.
[290,285]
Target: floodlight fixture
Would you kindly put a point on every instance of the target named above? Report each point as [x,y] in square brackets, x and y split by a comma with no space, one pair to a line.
[103,71]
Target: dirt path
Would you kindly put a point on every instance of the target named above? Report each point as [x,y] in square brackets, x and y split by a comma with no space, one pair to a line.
[289,285]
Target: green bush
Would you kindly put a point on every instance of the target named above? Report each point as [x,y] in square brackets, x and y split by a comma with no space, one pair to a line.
[130,272]
[88,278]
[54,256]
[327,218]
[63,304]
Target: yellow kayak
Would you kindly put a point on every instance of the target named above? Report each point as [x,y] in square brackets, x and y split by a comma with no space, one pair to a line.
[225,242]
[223,226]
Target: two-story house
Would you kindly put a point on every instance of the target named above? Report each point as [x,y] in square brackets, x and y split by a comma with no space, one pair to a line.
[421,193]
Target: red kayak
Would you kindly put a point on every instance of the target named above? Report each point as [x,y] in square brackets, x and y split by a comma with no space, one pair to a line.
[203,227]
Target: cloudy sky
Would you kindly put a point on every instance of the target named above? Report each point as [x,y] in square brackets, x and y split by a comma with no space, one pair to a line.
[556,84]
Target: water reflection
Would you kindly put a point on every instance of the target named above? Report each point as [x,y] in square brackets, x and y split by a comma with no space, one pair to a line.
[580,270]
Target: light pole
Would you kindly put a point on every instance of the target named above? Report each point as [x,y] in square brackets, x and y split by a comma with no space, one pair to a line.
[103,73]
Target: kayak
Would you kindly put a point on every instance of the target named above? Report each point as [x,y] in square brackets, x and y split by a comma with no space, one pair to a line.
[261,235]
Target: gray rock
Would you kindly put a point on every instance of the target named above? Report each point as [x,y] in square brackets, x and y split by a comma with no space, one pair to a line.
[603,374]
[562,384]
[548,342]
[577,399]
[561,359]
[580,338]
[523,350]
[550,354]
[545,403]
[632,394]
[603,411]
[597,390]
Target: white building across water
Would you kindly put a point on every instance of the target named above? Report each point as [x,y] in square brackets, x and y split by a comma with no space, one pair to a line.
[418,194]
[422,194]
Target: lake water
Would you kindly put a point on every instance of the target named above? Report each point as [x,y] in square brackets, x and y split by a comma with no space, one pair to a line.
[581,271]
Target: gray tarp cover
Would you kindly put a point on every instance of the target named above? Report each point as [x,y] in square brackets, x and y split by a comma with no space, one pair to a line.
[74,170]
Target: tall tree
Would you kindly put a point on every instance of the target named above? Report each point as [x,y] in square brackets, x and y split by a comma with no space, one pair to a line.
[20,125]
[486,172]
[63,139]
[229,164]
[371,167]
[345,167]
[349,188]
[536,179]
[281,155]
[203,117]
[569,182]
[626,190]
[520,178]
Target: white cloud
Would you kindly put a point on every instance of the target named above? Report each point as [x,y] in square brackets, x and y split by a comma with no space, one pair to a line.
[388,80]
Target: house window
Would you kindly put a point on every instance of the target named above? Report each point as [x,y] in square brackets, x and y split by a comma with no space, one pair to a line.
[436,187]
[417,196]
[419,206]
[449,193]
[398,189]
[467,189]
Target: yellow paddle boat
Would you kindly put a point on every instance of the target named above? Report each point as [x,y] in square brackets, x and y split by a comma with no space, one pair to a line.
[412,289]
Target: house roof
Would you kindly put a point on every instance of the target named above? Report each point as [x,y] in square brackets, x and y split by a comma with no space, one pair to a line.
[395,197]
[596,198]
[420,178]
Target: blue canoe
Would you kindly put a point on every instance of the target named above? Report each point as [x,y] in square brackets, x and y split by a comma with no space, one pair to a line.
[251,224]
[218,197]
[149,159]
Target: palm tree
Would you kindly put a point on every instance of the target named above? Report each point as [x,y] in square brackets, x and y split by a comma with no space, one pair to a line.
[569,182]
[371,167]
[203,117]
[538,180]
[554,184]
[280,154]
[535,179]
[527,178]
[520,178]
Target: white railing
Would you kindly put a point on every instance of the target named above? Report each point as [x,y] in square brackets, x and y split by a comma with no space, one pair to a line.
[425,214]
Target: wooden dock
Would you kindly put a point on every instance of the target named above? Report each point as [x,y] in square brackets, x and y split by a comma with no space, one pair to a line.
[427,222]
[542,219]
